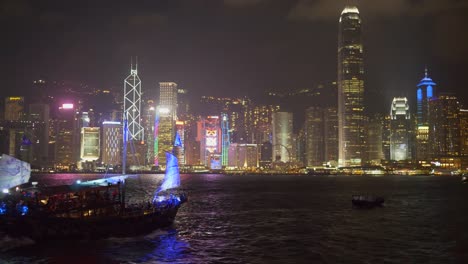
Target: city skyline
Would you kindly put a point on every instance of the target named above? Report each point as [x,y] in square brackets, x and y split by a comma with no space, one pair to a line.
[232,48]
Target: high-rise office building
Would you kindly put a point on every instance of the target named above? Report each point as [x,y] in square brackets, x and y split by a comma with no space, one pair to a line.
[210,137]
[14,108]
[180,128]
[167,116]
[330,125]
[464,132]
[168,98]
[444,126]
[243,156]
[314,136]
[282,138]
[183,104]
[400,129]
[132,106]
[39,115]
[90,143]
[111,143]
[350,88]
[424,93]
[66,138]
[373,153]
[261,122]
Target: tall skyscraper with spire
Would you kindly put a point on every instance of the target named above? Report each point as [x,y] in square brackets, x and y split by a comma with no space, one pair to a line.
[132,105]
[350,89]
[424,93]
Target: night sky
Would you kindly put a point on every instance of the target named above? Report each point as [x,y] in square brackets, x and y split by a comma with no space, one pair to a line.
[232,47]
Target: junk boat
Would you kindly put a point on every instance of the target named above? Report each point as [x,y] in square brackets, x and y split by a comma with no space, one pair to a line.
[90,210]
[367,201]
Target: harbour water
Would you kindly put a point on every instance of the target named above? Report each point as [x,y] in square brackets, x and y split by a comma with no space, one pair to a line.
[280,219]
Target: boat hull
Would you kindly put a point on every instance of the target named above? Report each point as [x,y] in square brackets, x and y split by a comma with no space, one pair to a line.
[90,228]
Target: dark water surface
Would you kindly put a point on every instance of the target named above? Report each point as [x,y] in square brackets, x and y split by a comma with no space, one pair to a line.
[281,219]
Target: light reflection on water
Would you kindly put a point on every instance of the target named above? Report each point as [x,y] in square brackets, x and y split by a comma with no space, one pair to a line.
[285,219]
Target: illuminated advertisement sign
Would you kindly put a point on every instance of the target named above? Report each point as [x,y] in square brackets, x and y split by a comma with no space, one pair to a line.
[211,138]
[67,106]
[215,162]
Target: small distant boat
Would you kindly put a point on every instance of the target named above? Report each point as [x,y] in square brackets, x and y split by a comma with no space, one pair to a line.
[367,201]
[465,179]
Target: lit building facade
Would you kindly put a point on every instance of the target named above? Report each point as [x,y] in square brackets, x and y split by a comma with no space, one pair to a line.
[282,136]
[350,88]
[67,136]
[261,122]
[424,93]
[165,135]
[464,132]
[373,152]
[167,116]
[40,115]
[180,128]
[400,129]
[314,136]
[14,108]
[209,135]
[132,106]
[183,104]
[330,120]
[225,139]
[444,126]
[168,98]
[90,143]
[111,143]
[243,156]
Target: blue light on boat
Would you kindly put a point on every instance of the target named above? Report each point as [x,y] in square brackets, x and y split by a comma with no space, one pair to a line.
[24,210]
[3,208]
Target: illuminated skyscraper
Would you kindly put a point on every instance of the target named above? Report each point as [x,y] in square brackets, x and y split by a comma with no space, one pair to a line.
[425,92]
[67,141]
[14,108]
[132,105]
[90,143]
[39,115]
[111,143]
[400,129]
[226,141]
[180,127]
[261,122]
[210,137]
[167,116]
[314,136]
[282,124]
[464,132]
[373,153]
[243,156]
[444,126]
[331,135]
[350,88]
[168,98]
[165,135]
